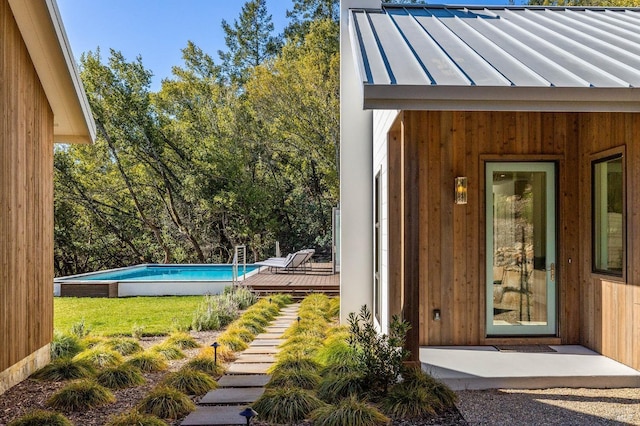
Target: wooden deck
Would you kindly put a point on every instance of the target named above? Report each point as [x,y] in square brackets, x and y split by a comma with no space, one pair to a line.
[319,279]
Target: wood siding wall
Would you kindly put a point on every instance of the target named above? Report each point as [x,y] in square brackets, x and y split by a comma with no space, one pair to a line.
[26,201]
[447,265]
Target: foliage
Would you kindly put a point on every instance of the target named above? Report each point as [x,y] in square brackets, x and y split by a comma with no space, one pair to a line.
[293,378]
[350,411]
[205,364]
[215,312]
[417,378]
[286,406]
[65,345]
[100,357]
[156,313]
[168,351]
[242,296]
[80,395]
[166,403]
[225,354]
[234,342]
[80,329]
[380,357]
[135,418]
[406,401]
[334,387]
[300,363]
[148,362]
[182,340]
[189,381]
[120,377]
[41,418]
[65,369]
[123,346]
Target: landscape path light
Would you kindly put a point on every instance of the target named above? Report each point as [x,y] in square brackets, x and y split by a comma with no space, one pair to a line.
[248,413]
[215,346]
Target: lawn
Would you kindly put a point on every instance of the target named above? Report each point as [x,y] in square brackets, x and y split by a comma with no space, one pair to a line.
[108,317]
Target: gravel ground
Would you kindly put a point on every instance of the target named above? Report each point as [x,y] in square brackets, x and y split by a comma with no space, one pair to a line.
[558,406]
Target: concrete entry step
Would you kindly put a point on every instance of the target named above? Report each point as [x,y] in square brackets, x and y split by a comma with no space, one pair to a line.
[241,368]
[232,396]
[243,380]
[216,415]
[256,358]
[485,367]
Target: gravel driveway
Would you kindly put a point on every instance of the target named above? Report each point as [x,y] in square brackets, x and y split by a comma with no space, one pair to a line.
[558,406]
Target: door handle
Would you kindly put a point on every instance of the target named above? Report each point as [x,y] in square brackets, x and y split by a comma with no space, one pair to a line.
[552,271]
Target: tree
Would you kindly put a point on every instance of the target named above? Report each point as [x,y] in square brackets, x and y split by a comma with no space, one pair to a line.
[249,41]
[305,12]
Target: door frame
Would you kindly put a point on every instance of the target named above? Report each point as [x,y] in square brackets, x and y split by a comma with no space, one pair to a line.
[521,164]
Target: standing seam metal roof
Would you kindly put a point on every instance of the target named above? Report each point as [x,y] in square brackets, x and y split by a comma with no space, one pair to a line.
[532,47]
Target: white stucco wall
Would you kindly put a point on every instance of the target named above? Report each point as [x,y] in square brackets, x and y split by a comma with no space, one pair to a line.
[356,164]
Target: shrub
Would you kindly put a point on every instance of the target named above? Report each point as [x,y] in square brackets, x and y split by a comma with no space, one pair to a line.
[292,363]
[120,377]
[206,365]
[100,357]
[286,406]
[80,395]
[414,376]
[168,351]
[190,382]
[351,412]
[233,342]
[135,418]
[80,329]
[242,332]
[242,297]
[65,369]
[124,346]
[41,418]
[407,401]
[183,341]
[333,388]
[137,331]
[166,403]
[65,345]
[225,354]
[92,341]
[302,379]
[148,362]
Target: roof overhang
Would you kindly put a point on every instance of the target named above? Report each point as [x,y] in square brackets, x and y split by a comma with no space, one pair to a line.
[42,30]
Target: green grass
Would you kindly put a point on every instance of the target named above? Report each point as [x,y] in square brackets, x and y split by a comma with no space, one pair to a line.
[166,403]
[80,395]
[158,314]
[41,418]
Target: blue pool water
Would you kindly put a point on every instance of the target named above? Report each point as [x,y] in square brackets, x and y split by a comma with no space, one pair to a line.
[169,273]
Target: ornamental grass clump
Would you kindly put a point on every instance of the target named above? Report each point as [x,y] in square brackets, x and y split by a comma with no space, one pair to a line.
[168,351]
[295,363]
[350,411]
[415,377]
[120,377]
[335,387]
[189,381]
[303,379]
[123,345]
[166,403]
[242,296]
[286,406]
[182,340]
[251,324]
[41,418]
[148,362]
[233,342]
[205,364]
[65,345]
[80,395]
[100,357]
[225,354]
[242,332]
[65,369]
[404,401]
[134,418]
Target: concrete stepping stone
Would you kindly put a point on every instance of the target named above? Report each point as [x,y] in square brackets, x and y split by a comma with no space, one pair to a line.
[263,336]
[265,350]
[266,342]
[216,415]
[228,396]
[248,368]
[279,330]
[243,380]
[282,324]
[256,358]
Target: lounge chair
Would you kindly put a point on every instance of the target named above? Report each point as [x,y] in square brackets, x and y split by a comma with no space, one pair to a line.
[293,262]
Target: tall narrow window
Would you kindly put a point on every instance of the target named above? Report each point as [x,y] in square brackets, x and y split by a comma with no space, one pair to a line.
[608,216]
[377,285]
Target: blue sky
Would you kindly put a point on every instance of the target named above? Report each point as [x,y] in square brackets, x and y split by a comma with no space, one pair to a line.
[158,29]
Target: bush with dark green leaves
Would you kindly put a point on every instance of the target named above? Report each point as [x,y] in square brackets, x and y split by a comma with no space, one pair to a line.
[123,345]
[148,362]
[120,377]
[286,406]
[350,411]
[166,403]
[134,418]
[65,369]
[41,418]
[190,382]
[80,395]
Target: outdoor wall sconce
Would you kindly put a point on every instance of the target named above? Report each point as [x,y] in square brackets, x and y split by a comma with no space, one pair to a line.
[461,190]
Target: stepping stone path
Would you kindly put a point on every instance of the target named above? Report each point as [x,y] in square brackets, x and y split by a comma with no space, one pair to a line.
[245,378]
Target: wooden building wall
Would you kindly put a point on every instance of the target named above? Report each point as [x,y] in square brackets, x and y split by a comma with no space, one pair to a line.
[442,252]
[26,201]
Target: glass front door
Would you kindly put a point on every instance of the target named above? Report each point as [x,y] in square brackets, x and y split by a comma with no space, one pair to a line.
[521,249]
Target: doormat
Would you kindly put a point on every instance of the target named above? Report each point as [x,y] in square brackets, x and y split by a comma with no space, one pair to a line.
[530,349]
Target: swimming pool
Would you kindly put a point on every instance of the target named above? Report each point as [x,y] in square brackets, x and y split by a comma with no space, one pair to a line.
[152,280]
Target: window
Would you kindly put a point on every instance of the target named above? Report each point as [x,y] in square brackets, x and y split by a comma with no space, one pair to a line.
[608,215]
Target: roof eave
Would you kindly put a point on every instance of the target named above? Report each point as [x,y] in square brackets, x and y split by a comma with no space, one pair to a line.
[476,98]
[42,30]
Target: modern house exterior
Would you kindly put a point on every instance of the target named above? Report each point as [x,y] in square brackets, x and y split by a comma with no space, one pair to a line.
[41,102]
[490,173]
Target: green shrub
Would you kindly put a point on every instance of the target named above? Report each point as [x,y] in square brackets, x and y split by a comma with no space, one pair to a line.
[256,317]
[190,382]
[120,377]
[225,354]
[92,341]
[206,317]
[65,345]
[242,332]
[292,363]
[333,388]
[414,376]
[137,331]
[335,351]
[134,418]
[80,329]
[166,403]
[169,351]
[182,340]
[100,357]
[123,345]
[251,324]
[234,342]
[80,395]
[351,412]
[65,369]
[148,362]
[303,379]
[406,401]
[286,406]
[243,297]
[281,299]
[41,418]
[206,365]
[334,307]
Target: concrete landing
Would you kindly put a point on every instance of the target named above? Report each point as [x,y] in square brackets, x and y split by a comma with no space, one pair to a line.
[243,380]
[232,396]
[215,415]
[485,367]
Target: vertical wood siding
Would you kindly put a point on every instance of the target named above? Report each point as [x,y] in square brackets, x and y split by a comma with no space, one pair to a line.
[26,201]
[449,267]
